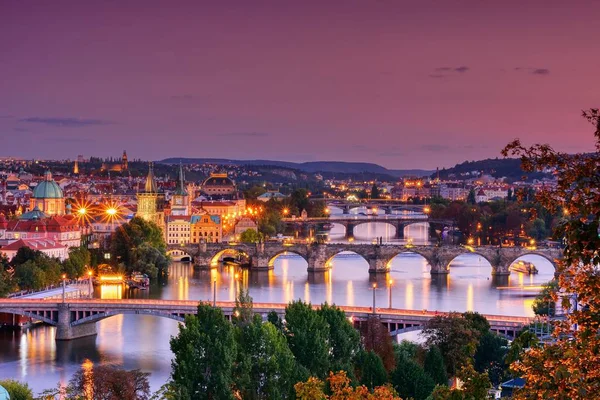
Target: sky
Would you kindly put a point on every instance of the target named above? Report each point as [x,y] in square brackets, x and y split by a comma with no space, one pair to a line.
[405,84]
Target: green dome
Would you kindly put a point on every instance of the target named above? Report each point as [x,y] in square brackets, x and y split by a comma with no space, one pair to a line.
[47,189]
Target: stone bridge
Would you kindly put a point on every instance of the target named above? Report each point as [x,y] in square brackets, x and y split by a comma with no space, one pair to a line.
[386,205]
[398,222]
[261,256]
[78,318]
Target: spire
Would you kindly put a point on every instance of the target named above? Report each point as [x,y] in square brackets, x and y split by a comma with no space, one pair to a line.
[150,182]
[47,175]
[180,191]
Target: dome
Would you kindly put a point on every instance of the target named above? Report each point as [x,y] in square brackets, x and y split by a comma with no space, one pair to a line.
[4,394]
[36,213]
[218,180]
[47,189]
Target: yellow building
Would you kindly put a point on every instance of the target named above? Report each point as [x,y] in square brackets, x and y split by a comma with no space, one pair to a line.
[232,208]
[178,229]
[206,227]
[218,185]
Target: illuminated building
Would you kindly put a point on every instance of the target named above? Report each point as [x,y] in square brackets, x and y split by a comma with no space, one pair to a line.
[178,229]
[206,227]
[48,197]
[218,185]
[118,167]
[150,203]
[244,224]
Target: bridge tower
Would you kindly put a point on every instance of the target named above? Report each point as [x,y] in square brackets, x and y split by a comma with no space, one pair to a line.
[64,329]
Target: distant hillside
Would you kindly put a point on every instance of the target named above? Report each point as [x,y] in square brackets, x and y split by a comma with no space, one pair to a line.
[310,167]
[496,167]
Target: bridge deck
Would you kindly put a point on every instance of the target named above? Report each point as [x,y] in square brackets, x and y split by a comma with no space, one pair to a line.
[190,306]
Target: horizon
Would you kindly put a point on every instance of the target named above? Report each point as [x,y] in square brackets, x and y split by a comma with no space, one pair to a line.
[401,85]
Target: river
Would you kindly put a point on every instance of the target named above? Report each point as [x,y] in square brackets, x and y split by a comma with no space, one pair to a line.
[142,342]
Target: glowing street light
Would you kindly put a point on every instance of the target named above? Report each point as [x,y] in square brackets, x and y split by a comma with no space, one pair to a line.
[64,278]
[91,288]
[470,241]
[285,211]
[390,284]
[111,211]
[374,288]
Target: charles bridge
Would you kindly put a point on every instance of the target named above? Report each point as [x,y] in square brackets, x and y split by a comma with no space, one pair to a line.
[261,256]
[399,222]
[387,206]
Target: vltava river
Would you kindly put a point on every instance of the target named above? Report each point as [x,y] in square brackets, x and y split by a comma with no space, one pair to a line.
[142,342]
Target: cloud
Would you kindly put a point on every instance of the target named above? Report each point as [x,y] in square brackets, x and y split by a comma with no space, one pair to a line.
[246,134]
[65,122]
[442,72]
[461,69]
[434,147]
[533,71]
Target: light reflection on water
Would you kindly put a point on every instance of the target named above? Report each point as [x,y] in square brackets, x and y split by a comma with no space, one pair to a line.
[141,341]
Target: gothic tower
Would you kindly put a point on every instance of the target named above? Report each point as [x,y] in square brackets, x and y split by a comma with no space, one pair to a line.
[150,203]
[124,164]
[180,201]
[76,168]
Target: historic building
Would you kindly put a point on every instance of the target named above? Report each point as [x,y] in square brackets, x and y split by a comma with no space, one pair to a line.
[218,185]
[117,167]
[64,230]
[150,203]
[178,229]
[206,228]
[181,201]
[244,224]
[48,197]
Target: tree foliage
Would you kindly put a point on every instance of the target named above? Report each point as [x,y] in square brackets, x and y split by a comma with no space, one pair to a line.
[341,389]
[434,366]
[343,339]
[204,351]
[17,390]
[568,368]
[375,337]
[410,380]
[370,370]
[251,236]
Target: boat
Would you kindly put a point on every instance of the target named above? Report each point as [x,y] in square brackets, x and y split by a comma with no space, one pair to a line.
[524,267]
[138,280]
[106,275]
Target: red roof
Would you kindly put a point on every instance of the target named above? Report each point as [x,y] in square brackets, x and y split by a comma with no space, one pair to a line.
[35,244]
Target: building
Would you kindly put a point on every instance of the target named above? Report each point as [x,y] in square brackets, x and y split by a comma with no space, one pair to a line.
[178,229]
[35,225]
[232,208]
[150,203]
[46,246]
[121,166]
[275,195]
[218,185]
[244,224]
[48,197]
[208,228]
[181,201]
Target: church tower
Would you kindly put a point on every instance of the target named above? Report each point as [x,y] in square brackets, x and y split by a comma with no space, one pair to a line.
[180,204]
[76,168]
[150,203]
[124,163]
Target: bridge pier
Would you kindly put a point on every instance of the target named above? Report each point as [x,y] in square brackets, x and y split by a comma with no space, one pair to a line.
[349,231]
[64,329]
[500,270]
[399,231]
[346,210]
[318,258]
[388,210]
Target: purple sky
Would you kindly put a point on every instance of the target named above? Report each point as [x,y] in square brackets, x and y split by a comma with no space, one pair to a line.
[406,84]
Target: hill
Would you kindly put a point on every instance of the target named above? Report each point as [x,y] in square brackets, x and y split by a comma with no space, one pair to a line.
[496,167]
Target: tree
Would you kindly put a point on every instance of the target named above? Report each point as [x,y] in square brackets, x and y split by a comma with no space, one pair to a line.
[137,232]
[250,236]
[477,322]
[307,334]
[341,389]
[243,313]
[147,260]
[204,351]
[537,229]
[102,382]
[272,364]
[567,368]
[79,259]
[7,283]
[471,199]
[375,337]
[410,380]
[544,303]
[25,254]
[344,340]
[17,390]
[489,356]
[374,191]
[370,369]
[273,318]
[455,337]
[434,366]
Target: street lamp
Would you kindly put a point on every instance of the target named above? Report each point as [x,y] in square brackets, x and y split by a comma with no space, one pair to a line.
[237,284]
[285,211]
[374,288]
[91,288]
[64,278]
[390,283]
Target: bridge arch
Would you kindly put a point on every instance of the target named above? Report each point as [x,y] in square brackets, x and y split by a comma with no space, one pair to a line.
[413,250]
[179,254]
[273,257]
[546,257]
[474,253]
[214,260]
[103,315]
[331,254]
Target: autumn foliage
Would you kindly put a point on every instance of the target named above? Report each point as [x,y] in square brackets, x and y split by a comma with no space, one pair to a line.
[569,366]
[339,384]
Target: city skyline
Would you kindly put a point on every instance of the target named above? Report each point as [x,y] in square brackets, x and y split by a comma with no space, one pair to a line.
[397,84]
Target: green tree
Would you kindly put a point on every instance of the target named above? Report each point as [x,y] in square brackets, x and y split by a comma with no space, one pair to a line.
[269,365]
[434,366]
[79,259]
[376,337]
[489,356]
[370,369]
[537,229]
[7,283]
[344,340]
[204,351]
[410,380]
[456,338]
[130,236]
[471,199]
[17,390]
[477,322]
[307,334]
[544,303]
[147,260]
[274,319]
[250,236]
[374,191]
[243,313]
[25,254]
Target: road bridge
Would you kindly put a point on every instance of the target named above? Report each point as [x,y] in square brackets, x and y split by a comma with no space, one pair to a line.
[318,256]
[77,318]
[399,222]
